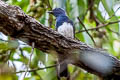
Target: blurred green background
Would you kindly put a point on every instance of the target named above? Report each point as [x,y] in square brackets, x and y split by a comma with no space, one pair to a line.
[92,13]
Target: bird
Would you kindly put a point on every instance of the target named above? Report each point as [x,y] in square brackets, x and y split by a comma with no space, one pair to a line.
[65,27]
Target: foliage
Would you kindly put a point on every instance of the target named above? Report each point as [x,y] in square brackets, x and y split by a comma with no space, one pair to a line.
[92,13]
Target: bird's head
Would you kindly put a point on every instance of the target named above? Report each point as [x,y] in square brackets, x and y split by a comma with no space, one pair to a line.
[57,12]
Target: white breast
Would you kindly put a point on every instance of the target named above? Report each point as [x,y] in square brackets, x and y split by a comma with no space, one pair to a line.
[66,29]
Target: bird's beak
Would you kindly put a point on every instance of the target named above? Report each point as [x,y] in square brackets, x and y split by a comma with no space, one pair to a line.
[50,12]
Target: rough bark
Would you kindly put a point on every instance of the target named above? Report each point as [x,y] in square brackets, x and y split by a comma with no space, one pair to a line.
[15,23]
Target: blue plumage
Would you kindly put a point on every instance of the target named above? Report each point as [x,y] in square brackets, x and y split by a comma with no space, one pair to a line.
[63,24]
[61,19]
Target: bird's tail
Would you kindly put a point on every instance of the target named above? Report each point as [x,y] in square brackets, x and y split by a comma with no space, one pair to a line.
[62,70]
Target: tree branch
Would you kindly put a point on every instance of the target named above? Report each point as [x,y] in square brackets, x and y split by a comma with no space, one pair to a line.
[100,26]
[36,69]
[87,31]
[15,23]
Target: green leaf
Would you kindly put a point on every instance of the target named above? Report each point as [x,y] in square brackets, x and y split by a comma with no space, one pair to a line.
[28,49]
[13,44]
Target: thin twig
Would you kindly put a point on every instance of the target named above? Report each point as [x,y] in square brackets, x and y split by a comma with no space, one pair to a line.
[99,26]
[21,51]
[33,44]
[32,70]
[36,69]
[86,30]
